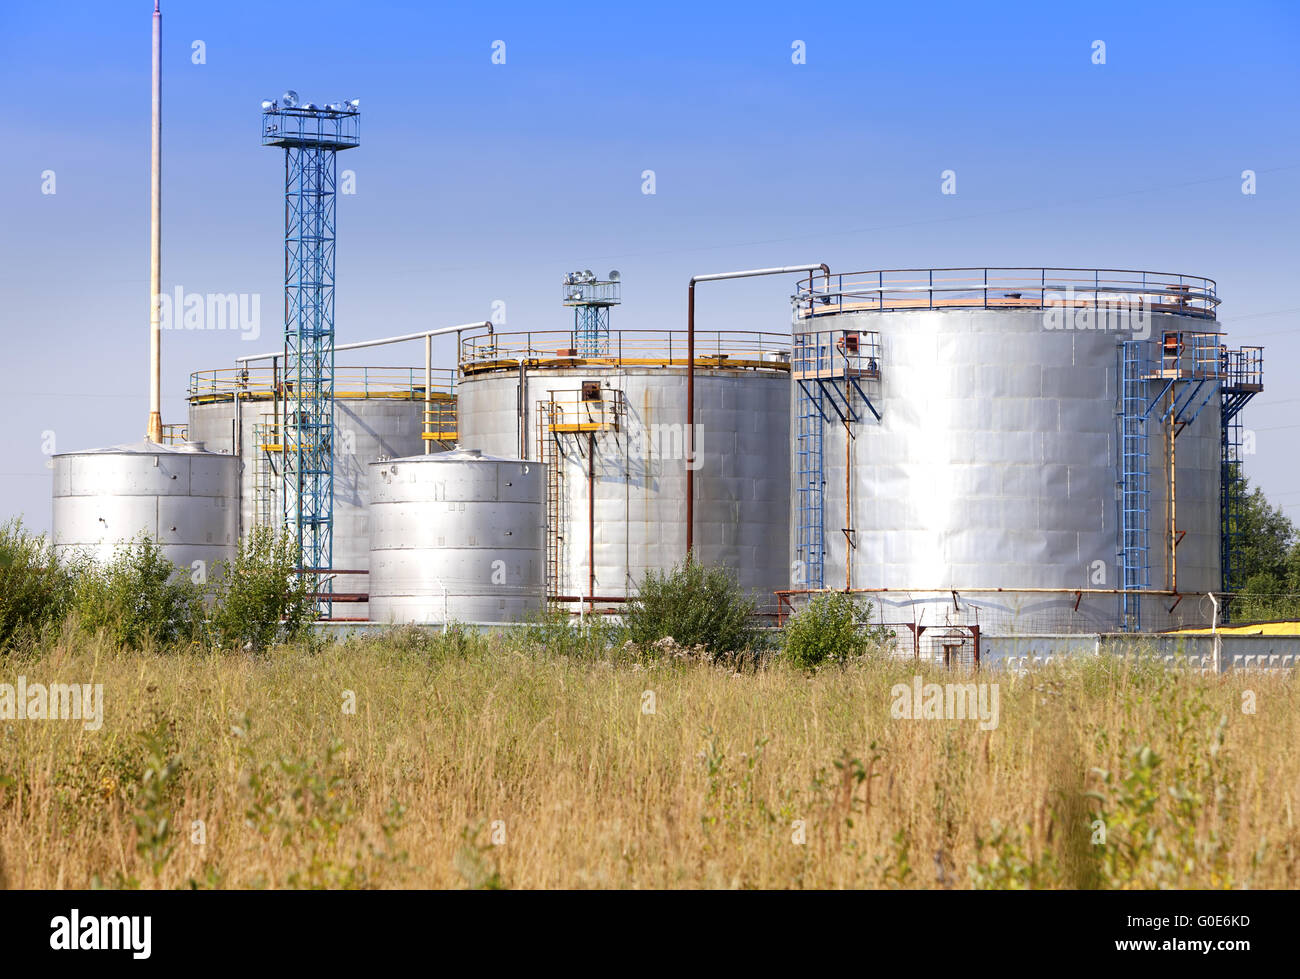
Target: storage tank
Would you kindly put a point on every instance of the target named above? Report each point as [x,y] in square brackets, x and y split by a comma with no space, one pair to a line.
[1018,449]
[181,496]
[610,423]
[379,413]
[457,537]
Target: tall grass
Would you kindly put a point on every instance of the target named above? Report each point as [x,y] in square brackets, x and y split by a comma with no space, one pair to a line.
[430,760]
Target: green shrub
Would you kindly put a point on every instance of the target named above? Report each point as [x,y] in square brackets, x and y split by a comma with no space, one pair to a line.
[832,628]
[260,598]
[138,598]
[696,606]
[35,590]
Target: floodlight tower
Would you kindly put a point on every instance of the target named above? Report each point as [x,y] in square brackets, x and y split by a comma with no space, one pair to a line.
[591,299]
[311,136]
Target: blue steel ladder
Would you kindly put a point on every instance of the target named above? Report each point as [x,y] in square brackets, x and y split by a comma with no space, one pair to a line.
[1135,483]
[810,478]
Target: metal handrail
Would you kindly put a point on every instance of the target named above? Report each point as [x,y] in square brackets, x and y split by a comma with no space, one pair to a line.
[902,289]
[223,382]
[667,347]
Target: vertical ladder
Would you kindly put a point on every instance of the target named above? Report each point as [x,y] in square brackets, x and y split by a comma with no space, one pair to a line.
[1135,489]
[265,443]
[810,475]
[548,451]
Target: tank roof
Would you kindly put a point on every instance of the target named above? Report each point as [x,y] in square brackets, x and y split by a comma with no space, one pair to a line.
[451,455]
[145,447]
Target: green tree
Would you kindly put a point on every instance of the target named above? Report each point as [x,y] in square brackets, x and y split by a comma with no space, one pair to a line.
[261,600]
[1266,560]
[1266,537]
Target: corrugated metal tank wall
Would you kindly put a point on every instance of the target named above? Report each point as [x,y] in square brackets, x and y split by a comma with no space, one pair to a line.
[994,465]
[742,481]
[457,537]
[366,430]
[180,496]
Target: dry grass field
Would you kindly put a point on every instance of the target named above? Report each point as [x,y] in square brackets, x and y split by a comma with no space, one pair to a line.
[456,761]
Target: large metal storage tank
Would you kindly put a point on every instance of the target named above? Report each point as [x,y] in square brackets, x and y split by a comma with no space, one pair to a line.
[611,427]
[990,489]
[378,414]
[181,496]
[457,537]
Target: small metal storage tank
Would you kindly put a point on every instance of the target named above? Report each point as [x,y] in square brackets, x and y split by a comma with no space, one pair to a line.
[379,413]
[458,536]
[181,496]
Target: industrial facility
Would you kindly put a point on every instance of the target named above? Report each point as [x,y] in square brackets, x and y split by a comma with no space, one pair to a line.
[979,451]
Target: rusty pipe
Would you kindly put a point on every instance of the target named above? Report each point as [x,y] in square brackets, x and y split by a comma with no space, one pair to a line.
[591,520]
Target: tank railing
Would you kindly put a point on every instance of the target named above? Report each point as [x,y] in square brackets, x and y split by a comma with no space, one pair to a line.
[366,381]
[843,352]
[174,433]
[1207,360]
[1243,367]
[640,347]
[910,289]
[1194,356]
[578,411]
[440,422]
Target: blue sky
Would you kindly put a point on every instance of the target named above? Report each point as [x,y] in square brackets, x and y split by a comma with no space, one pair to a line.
[479,182]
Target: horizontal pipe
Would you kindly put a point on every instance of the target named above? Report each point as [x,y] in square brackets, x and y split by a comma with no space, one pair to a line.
[750,273]
[949,591]
[379,342]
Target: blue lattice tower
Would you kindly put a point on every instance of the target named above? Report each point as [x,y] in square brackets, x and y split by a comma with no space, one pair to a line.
[591,299]
[310,136]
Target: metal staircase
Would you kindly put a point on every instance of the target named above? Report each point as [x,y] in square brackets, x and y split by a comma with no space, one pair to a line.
[829,369]
[1170,380]
[1243,378]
